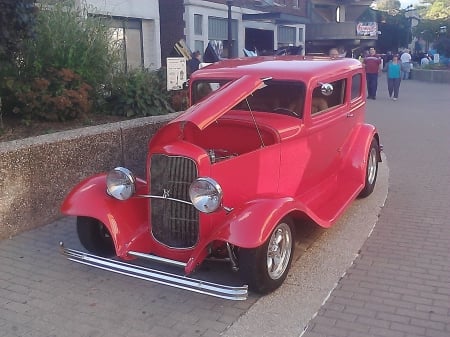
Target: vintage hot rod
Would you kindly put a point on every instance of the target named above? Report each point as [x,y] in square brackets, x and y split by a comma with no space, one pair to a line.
[266,143]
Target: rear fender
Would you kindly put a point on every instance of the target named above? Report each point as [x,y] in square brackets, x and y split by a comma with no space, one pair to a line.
[127,221]
[357,150]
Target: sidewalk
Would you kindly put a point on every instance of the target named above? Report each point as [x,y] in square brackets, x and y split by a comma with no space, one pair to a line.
[399,286]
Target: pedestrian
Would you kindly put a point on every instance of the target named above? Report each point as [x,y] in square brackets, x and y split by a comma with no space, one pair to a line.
[393,69]
[333,53]
[373,65]
[194,63]
[406,60]
[425,60]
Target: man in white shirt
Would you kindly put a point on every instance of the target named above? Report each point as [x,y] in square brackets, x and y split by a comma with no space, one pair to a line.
[406,64]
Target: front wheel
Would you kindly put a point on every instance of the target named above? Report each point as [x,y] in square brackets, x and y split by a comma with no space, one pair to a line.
[95,237]
[265,268]
[371,170]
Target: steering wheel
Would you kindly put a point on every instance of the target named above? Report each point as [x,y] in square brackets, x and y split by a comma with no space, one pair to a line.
[285,111]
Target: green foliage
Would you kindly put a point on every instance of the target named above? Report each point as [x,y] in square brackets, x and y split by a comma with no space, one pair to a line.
[443,46]
[438,10]
[17,21]
[387,5]
[59,95]
[139,93]
[67,37]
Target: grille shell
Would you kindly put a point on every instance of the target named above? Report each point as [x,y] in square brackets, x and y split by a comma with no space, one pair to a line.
[174,224]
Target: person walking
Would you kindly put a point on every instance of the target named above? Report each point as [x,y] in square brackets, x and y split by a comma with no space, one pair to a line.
[393,69]
[406,60]
[373,65]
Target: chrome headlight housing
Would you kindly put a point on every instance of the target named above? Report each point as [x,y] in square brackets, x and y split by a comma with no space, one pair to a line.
[205,194]
[120,183]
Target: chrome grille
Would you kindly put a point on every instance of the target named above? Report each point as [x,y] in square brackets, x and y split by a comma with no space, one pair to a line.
[174,224]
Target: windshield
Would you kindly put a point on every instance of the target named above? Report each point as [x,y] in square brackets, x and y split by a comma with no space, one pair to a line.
[276,96]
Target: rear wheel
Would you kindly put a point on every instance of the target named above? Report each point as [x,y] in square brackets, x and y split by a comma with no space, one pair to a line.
[371,170]
[265,268]
[95,237]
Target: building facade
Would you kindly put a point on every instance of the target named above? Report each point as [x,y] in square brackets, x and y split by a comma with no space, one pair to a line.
[149,30]
[136,26]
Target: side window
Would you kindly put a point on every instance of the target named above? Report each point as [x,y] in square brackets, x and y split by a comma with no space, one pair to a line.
[356,86]
[320,102]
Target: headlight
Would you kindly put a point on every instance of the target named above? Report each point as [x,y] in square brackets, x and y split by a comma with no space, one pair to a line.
[205,194]
[120,183]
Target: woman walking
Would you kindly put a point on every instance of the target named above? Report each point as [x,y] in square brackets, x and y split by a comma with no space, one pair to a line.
[394,77]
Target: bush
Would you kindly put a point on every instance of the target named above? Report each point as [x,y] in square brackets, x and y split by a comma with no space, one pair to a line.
[59,95]
[138,93]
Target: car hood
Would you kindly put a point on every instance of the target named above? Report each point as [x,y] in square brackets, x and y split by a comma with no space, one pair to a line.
[219,102]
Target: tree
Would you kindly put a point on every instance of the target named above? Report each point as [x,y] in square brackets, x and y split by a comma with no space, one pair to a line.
[388,5]
[438,10]
[17,22]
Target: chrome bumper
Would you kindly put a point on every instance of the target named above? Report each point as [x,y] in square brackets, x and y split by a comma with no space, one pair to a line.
[152,275]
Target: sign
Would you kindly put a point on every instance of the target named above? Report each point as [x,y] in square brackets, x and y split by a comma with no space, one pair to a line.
[176,73]
[366,29]
[436,58]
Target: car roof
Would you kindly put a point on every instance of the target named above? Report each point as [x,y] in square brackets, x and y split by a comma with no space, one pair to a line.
[278,67]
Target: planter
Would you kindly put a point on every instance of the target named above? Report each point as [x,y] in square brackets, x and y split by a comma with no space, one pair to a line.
[431,75]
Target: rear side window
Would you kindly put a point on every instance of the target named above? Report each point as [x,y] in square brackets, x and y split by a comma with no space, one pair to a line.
[356,86]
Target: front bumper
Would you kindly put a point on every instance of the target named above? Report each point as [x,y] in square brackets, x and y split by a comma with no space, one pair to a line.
[156,276]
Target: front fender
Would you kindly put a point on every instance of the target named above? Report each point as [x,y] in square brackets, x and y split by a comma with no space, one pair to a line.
[251,225]
[125,220]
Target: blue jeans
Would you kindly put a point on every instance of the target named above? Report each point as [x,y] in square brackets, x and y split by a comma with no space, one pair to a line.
[372,84]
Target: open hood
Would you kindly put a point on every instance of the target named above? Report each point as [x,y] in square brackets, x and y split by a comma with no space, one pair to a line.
[220,101]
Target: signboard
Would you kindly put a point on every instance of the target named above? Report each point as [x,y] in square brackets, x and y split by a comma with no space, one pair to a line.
[176,73]
[366,29]
[436,58]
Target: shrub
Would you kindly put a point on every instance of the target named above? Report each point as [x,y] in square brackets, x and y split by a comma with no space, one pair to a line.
[59,95]
[68,38]
[138,93]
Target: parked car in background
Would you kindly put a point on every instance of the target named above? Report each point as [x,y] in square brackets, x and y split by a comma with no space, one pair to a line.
[267,143]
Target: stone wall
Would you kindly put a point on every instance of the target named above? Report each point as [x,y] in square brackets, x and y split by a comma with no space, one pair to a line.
[429,75]
[36,173]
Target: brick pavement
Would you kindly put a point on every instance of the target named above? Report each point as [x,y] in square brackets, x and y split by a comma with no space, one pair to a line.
[399,286]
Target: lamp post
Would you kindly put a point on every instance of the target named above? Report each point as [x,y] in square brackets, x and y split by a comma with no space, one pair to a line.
[230,36]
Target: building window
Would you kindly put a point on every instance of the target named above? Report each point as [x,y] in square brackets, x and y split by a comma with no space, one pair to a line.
[200,46]
[296,3]
[218,33]
[127,33]
[286,36]
[301,35]
[198,23]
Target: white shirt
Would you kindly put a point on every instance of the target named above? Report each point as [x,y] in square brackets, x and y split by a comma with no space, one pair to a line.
[405,58]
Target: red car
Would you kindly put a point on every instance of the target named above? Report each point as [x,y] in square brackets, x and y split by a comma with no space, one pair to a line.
[267,143]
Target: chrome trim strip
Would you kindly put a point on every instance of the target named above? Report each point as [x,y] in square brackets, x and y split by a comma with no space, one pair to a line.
[163,197]
[157,259]
[156,276]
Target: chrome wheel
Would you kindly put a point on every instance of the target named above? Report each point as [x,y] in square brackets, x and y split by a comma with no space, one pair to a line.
[279,251]
[371,169]
[372,166]
[266,267]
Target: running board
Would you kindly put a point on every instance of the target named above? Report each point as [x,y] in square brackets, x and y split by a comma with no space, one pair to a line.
[157,276]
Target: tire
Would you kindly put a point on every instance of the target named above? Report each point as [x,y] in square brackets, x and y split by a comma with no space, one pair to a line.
[95,237]
[265,268]
[371,170]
